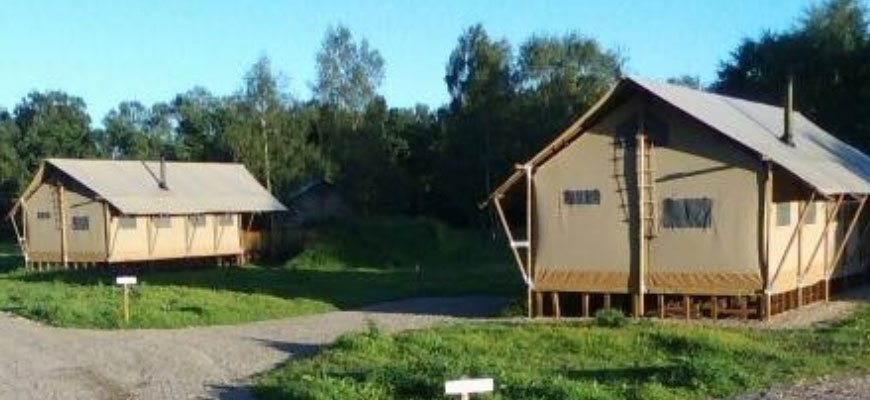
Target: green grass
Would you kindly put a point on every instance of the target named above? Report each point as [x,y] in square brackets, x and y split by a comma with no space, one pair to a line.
[642,360]
[346,266]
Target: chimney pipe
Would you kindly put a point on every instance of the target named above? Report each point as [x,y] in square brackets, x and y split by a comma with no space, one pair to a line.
[163,184]
[788,110]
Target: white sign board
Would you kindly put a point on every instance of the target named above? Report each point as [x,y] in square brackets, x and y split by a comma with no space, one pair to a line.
[467,386]
[125,280]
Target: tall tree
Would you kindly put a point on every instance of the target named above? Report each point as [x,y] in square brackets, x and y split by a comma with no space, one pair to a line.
[348,73]
[135,131]
[52,124]
[478,77]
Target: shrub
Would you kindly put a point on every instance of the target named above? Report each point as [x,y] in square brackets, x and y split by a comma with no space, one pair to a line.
[610,318]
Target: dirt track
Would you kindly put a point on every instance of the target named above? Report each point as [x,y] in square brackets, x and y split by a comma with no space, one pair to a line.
[39,362]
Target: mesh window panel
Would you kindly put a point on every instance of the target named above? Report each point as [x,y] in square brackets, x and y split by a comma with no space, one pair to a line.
[687,213]
[783,214]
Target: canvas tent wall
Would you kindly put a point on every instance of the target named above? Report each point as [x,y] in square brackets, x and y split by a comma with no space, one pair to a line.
[89,211]
[661,189]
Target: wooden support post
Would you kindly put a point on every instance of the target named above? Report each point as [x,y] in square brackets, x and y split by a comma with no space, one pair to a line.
[642,219]
[107,219]
[539,304]
[744,307]
[829,270]
[557,308]
[607,300]
[687,306]
[585,305]
[661,301]
[61,198]
[714,307]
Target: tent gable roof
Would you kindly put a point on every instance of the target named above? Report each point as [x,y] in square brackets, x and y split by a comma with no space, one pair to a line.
[824,162]
[132,186]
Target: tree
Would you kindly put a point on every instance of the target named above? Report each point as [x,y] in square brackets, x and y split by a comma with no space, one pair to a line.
[11,168]
[689,81]
[348,74]
[478,78]
[52,124]
[559,77]
[135,131]
[826,53]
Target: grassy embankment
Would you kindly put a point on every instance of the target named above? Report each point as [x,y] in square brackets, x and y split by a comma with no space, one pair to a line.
[643,360]
[346,266]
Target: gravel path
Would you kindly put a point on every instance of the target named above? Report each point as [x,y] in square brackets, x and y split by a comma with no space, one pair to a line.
[40,362]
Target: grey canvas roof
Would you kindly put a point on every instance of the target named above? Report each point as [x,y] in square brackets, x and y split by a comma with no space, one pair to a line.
[821,160]
[132,186]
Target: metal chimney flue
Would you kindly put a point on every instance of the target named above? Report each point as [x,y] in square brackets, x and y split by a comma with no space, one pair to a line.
[163,183]
[788,110]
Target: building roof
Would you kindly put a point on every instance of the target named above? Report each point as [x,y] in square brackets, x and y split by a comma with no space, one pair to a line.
[132,186]
[822,161]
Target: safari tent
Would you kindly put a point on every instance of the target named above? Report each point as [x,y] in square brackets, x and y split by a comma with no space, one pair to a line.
[665,200]
[88,212]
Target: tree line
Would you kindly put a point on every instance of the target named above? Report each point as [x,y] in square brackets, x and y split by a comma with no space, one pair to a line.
[505,103]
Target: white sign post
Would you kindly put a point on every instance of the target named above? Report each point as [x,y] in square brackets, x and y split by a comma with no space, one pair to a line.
[465,387]
[126,281]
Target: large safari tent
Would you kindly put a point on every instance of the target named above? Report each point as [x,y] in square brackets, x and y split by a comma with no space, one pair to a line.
[90,212]
[665,200]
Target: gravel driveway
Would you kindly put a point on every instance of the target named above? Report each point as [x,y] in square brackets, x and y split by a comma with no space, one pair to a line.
[40,362]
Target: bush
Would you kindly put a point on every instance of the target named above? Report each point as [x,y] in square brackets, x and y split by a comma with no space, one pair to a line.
[610,318]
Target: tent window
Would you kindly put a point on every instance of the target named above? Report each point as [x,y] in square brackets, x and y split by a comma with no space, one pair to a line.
[80,223]
[783,214]
[163,222]
[811,214]
[687,213]
[127,222]
[198,220]
[43,215]
[581,197]
[226,220]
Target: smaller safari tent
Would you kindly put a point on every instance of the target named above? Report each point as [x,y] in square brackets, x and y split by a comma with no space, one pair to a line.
[671,201]
[85,212]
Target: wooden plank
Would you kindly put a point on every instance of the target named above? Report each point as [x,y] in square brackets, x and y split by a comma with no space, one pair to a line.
[714,307]
[661,301]
[514,251]
[557,307]
[106,230]
[585,305]
[839,253]
[530,264]
[63,234]
[687,306]
[641,189]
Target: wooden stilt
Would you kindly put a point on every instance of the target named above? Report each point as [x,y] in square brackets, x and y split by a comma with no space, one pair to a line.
[767,307]
[744,307]
[714,307]
[539,304]
[557,308]
[687,306]
[661,301]
[607,300]
[586,305]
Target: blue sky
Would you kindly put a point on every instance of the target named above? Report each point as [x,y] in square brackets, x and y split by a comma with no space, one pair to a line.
[109,51]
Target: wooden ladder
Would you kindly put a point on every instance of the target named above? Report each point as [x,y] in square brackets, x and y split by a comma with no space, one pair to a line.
[646,192]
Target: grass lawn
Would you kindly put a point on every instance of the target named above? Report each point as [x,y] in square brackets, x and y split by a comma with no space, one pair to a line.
[346,266]
[643,360]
